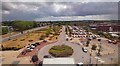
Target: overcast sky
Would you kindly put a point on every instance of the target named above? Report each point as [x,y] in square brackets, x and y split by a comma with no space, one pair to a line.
[45,11]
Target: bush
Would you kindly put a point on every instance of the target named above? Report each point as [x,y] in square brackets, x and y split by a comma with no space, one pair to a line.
[94,47]
[10,48]
[14,39]
[88,42]
[4,30]
[23,25]
[22,39]
[61,51]
[42,37]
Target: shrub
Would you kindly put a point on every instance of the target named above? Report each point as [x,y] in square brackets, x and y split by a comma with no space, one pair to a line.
[4,30]
[14,39]
[94,47]
[88,42]
[22,39]
[10,48]
[42,37]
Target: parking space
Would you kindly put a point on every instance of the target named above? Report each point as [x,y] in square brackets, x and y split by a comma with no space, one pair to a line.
[33,49]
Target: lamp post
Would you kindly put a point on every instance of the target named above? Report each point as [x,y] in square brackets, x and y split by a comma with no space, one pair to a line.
[8,32]
[101,61]
[90,57]
[10,28]
[111,60]
[97,58]
[99,47]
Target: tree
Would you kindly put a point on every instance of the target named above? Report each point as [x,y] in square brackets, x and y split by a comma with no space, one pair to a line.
[4,30]
[98,52]
[88,42]
[48,31]
[94,47]
[42,37]
[23,25]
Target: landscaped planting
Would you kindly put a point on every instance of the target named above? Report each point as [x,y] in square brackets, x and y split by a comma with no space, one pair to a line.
[61,51]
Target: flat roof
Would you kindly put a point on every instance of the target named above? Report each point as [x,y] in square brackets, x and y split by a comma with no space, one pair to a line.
[58,61]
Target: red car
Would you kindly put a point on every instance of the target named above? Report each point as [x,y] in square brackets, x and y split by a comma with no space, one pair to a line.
[114,42]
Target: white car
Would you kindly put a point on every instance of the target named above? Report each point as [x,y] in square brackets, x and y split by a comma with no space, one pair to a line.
[32,46]
[31,49]
[80,64]
[28,48]
[84,49]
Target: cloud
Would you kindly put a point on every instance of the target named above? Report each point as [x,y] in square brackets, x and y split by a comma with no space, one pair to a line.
[60,1]
[33,10]
[72,18]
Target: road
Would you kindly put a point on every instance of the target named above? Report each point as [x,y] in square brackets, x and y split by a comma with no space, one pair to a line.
[78,54]
[19,34]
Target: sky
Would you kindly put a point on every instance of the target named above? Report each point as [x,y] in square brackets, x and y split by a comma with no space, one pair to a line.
[55,11]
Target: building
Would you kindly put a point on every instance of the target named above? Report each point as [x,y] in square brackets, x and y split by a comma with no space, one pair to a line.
[58,61]
[106,27]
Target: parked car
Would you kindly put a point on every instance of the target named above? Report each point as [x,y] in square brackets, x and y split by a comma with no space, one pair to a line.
[109,41]
[30,40]
[29,49]
[47,56]
[80,64]
[70,38]
[94,37]
[66,39]
[31,46]
[37,43]
[44,40]
[34,45]
[114,42]
[89,38]
[84,49]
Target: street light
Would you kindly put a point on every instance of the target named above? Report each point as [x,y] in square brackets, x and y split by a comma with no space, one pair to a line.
[10,28]
[101,61]
[90,56]
[97,60]
[111,60]
[99,47]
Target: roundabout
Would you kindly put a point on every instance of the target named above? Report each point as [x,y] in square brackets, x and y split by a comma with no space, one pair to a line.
[77,53]
[61,51]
